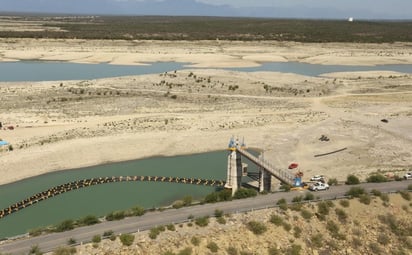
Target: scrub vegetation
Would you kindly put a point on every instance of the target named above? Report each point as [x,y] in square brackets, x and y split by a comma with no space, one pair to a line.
[212,28]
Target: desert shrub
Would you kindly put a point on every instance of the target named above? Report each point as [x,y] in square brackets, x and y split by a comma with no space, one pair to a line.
[384,197]
[65,251]
[276,219]
[356,242]
[316,240]
[171,227]
[377,178]
[202,221]
[295,207]
[355,192]
[293,250]
[282,204]
[35,249]
[218,213]
[127,239]
[118,215]
[406,195]
[232,251]
[108,233]
[383,239]
[376,192]
[256,227]
[333,181]
[286,226]
[297,199]
[212,246]
[186,251]
[344,202]
[297,231]
[96,239]
[36,231]
[71,241]
[309,196]
[306,214]
[332,227]
[187,200]
[89,220]
[154,232]
[138,211]
[274,251]
[285,187]
[211,198]
[65,226]
[323,208]
[352,180]
[342,216]
[375,248]
[178,204]
[365,199]
[245,193]
[410,187]
[195,241]
[168,253]
[225,195]
[221,220]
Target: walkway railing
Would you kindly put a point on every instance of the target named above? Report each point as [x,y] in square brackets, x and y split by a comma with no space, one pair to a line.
[277,173]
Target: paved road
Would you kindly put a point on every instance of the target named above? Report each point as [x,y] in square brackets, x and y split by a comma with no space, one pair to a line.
[84,234]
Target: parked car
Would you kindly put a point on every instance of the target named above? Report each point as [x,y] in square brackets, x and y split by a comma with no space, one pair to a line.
[408,176]
[317,178]
[319,186]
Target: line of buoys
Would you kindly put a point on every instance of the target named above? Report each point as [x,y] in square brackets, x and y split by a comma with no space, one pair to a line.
[63,188]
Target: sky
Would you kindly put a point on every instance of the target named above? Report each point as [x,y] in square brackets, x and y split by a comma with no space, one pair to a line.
[326,9]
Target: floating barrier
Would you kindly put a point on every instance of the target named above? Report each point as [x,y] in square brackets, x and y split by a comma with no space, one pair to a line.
[60,189]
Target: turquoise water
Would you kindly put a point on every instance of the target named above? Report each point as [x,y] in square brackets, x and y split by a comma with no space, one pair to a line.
[102,199]
[49,71]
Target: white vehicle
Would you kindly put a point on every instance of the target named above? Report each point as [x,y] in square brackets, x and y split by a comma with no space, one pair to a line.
[317,178]
[408,176]
[319,186]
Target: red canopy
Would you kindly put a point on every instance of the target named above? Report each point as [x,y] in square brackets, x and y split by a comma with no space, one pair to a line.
[293,165]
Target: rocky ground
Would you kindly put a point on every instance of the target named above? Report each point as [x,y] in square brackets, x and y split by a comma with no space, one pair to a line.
[338,227]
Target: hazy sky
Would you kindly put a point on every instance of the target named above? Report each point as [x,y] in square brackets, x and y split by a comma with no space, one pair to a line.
[335,9]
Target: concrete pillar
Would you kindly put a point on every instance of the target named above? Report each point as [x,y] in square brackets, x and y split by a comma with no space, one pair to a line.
[234,171]
[265,181]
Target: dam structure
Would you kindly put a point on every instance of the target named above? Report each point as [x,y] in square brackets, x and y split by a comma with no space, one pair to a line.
[236,169]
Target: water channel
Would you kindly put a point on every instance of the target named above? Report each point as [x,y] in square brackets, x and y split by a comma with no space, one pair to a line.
[102,199]
[49,71]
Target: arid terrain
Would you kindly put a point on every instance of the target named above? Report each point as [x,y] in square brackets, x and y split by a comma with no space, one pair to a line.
[342,227]
[68,124]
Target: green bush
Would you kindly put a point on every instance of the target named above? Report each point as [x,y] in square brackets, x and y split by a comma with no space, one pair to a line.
[232,251]
[333,181]
[202,221]
[89,220]
[171,227]
[225,195]
[377,178]
[65,226]
[118,215]
[108,233]
[212,246]
[218,213]
[309,196]
[186,251]
[352,180]
[286,226]
[297,231]
[221,220]
[282,204]
[383,239]
[316,240]
[256,227]
[187,200]
[138,211]
[323,208]
[406,195]
[35,249]
[274,251]
[332,227]
[365,199]
[65,251]
[306,214]
[96,239]
[211,198]
[127,239]
[355,192]
[342,216]
[295,249]
[71,241]
[195,241]
[344,202]
[245,193]
[285,187]
[276,219]
[410,187]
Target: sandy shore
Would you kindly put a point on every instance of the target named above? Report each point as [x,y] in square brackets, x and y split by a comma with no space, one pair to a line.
[70,124]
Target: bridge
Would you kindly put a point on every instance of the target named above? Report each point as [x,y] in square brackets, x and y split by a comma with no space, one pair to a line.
[57,190]
[236,169]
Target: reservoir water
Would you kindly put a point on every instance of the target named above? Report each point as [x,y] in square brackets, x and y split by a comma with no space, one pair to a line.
[49,71]
[101,199]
